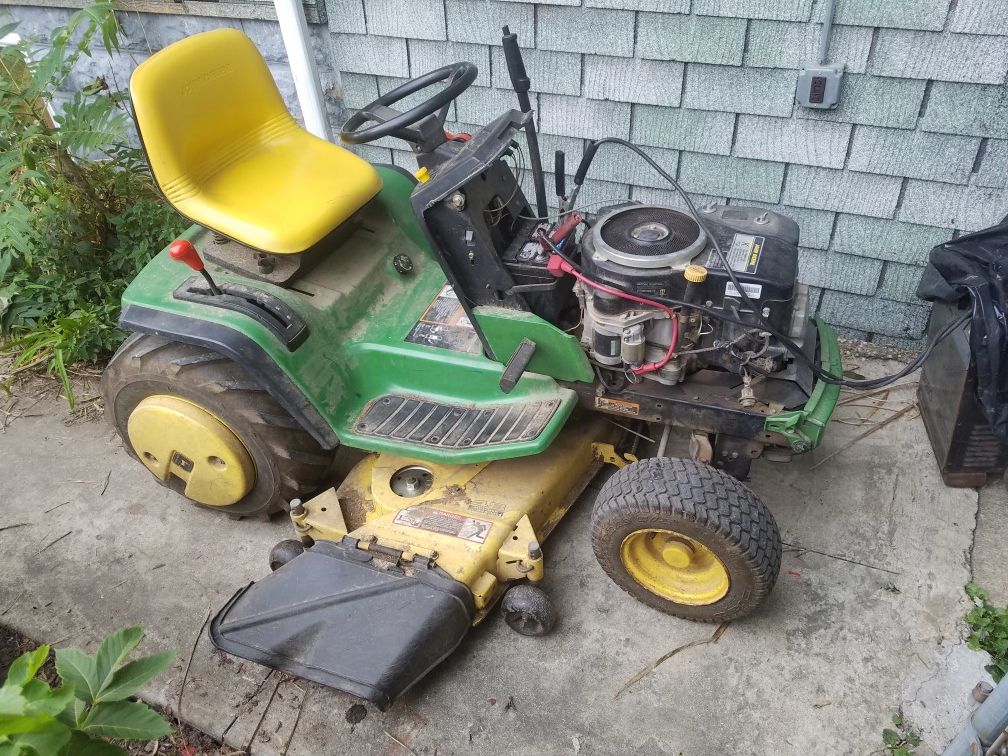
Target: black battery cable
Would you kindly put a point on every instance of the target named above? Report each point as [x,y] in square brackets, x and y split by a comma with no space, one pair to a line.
[792,347]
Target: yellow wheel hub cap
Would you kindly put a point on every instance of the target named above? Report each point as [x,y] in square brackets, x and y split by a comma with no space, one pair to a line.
[174,437]
[675,567]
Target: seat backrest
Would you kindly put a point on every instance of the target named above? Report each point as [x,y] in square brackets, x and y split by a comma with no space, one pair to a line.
[199,98]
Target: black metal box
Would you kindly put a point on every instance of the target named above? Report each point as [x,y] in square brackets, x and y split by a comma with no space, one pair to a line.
[964,445]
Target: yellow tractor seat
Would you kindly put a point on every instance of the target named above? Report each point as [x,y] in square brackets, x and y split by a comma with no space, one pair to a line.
[228,155]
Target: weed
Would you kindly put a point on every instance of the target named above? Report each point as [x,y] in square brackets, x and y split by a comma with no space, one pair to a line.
[93,702]
[988,630]
[902,741]
[81,213]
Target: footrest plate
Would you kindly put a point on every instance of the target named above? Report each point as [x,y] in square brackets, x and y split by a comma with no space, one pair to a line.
[446,426]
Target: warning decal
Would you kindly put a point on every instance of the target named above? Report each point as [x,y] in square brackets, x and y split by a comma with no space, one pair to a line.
[446,523]
[743,255]
[617,405]
[444,324]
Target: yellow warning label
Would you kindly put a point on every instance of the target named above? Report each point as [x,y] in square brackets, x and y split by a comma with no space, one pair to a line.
[617,405]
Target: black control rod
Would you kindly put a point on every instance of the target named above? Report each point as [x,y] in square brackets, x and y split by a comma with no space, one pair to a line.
[520,82]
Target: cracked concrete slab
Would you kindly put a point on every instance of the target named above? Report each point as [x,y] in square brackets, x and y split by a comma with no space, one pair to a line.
[865,618]
[990,549]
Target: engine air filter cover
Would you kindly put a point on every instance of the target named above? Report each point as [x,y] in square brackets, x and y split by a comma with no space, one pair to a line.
[647,236]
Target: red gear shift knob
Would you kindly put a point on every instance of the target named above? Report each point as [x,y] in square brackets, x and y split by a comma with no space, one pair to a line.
[184,251]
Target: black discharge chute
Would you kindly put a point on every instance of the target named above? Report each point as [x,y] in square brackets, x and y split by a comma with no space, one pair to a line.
[973,271]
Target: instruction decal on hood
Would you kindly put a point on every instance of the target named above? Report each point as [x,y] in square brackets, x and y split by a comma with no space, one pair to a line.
[444,324]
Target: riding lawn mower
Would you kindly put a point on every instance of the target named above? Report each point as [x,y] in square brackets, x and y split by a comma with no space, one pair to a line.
[487,356]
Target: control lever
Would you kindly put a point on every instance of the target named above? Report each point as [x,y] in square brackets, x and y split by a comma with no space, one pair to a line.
[183,251]
[521,84]
[560,178]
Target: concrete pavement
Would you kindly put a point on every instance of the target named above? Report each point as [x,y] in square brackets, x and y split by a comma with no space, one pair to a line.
[865,619]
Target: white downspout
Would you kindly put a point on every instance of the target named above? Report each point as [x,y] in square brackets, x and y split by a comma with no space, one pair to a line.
[301,59]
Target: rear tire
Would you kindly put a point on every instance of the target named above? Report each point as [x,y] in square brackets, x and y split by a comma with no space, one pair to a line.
[686,539]
[288,461]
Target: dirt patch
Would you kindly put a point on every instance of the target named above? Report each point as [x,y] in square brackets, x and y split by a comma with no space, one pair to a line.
[22,389]
[185,741]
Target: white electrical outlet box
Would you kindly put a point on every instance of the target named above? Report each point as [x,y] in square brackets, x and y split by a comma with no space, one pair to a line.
[819,86]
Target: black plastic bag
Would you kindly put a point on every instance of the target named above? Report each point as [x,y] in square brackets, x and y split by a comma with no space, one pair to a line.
[976,266]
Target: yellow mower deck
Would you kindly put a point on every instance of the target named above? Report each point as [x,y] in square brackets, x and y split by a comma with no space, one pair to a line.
[481,523]
[403,559]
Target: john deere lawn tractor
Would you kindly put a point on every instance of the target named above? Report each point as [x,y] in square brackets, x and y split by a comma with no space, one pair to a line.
[487,355]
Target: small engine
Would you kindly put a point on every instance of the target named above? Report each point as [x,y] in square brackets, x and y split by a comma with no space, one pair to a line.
[662,253]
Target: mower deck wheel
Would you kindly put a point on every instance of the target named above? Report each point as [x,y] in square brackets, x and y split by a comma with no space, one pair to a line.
[205,428]
[686,539]
[528,610]
[284,551]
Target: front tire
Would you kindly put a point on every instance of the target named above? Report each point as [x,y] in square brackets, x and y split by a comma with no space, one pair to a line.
[269,457]
[686,539]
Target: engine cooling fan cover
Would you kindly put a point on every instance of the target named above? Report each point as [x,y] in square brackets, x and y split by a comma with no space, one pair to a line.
[647,236]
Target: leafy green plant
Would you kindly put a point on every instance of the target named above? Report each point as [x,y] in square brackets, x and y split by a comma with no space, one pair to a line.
[81,213]
[902,741]
[988,630]
[92,703]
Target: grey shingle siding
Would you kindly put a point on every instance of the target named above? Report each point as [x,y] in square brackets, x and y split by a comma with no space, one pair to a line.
[783,44]
[552,72]
[844,191]
[698,39]
[782,10]
[886,239]
[875,101]
[898,14]
[916,152]
[585,30]
[632,80]
[980,17]
[740,90]
[757,180]
[424,19]
[976,109]
[684,129]
[857,275]
[791,140]
[946,57]
[993,165]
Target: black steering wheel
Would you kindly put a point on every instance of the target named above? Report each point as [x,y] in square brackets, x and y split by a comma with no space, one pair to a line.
[390,122]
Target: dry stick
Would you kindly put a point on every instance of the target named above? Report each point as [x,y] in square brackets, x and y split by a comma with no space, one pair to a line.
[882,424]
[662,659]
[105,487]
[400,742]
[857,394]
[52,542]
[56,507]
[185,675]
[11,605]
[15,525]
[796,547]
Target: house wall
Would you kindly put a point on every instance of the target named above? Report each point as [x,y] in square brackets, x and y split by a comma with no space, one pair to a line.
[916,152]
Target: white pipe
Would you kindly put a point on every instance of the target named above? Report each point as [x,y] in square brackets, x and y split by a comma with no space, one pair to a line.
[301,59]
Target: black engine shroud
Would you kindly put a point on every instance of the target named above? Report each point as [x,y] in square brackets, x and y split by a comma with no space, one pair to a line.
[625,249]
